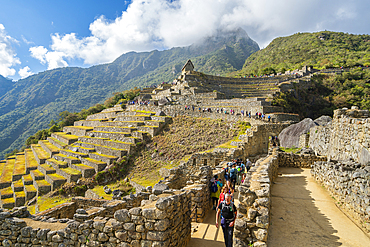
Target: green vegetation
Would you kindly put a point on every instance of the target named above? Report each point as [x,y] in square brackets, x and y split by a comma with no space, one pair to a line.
[321,50]
[288,150]
[327,93]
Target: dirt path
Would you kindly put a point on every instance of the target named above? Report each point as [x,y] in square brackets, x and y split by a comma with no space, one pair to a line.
[304,214]
[207,234]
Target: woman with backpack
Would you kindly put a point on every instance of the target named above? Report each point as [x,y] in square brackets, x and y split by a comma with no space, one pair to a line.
[215,191]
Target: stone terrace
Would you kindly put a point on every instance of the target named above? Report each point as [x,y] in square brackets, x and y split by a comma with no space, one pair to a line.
[79,151]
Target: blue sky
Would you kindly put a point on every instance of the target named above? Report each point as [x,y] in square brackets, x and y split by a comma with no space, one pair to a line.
[36,35]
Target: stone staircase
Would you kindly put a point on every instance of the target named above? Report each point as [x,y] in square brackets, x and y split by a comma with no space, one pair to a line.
[80,151]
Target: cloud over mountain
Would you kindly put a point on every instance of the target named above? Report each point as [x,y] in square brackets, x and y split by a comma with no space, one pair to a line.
[159,24]
[8,57]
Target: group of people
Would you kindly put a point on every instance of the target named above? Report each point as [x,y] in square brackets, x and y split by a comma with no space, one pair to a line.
[223,196]
[136,102]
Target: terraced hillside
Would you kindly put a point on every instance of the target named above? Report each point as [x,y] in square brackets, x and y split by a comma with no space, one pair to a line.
[79,151]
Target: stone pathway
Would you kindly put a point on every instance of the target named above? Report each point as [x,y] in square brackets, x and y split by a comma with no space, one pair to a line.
[207,234]
[304,214]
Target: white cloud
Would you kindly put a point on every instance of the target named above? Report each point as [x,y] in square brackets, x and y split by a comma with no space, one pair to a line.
[25,72]
[8,58]
[54,59]
[158,24]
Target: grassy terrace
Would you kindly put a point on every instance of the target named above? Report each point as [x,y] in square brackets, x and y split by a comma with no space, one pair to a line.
[7,175]
[6,192]
[41,153]
[71,171]
[2,164]
[67,157]
[20,194]
[58,142]
[30,188]
[27,178]
[66,136]
[81,127]
[82,166]
[30,159]
[105,155]
[20,165]
[55,176]
[50,146]
[94,161]
[18,183]
[42,182]
[58,162]
[47,168]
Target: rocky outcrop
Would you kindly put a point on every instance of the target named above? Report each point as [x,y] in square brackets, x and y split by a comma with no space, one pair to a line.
[289,137]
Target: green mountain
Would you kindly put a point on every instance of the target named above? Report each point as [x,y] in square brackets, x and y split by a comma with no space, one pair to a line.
[34,101]
[320,50]
[5,85]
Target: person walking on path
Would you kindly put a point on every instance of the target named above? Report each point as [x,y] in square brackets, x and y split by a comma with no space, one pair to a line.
[228,213]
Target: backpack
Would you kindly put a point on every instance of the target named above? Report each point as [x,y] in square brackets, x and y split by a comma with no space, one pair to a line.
[214,187]
[232,173]
[231,206]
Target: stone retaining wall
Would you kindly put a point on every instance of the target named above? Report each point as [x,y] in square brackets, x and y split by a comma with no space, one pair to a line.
[348,183]
[163,222]
[298,160]
[253,221]
[346,137]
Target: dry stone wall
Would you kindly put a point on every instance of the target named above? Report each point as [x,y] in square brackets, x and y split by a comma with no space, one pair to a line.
[347,137]
[349,184]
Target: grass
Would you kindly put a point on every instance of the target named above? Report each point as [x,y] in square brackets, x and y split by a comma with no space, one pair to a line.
[71,171]
[50,146]
[41,153]
[30,159]
[30,188]
[227,145]
[121,185]
[45,202]
[94,161]
[7,175]
[55,176]
[59,142]
[288,150]
[27,178]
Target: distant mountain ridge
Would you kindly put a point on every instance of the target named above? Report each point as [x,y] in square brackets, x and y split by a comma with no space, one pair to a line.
[31,103]
[320,49]
[5,85]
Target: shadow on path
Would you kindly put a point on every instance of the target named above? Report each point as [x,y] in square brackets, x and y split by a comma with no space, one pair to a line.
[303,214]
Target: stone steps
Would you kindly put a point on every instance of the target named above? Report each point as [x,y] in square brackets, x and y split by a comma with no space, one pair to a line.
[40,154]
[77,130]
[96,164]
[73,153]
[116,108]
[8,203]
[124,123]
[42,186]
[37,175]
[141,118]
[76,148]
[17,186]
[69,159]
[65,138]
[30,191]
[91,123]
[151,130]
[46,169]
[19,198]
[86,171]
[56,164]
[31,162]
[103,115]
[124,129]
[57,143]
[55,180]
[123,137]
[106,149]
[102,157]
[72,175]
[27,180]
[6,193]
[49,147]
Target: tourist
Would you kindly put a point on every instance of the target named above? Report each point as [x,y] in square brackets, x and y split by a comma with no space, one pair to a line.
[269,118]
[228,212]
[230,189]
[215,191]
[224,191]
[233,175]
